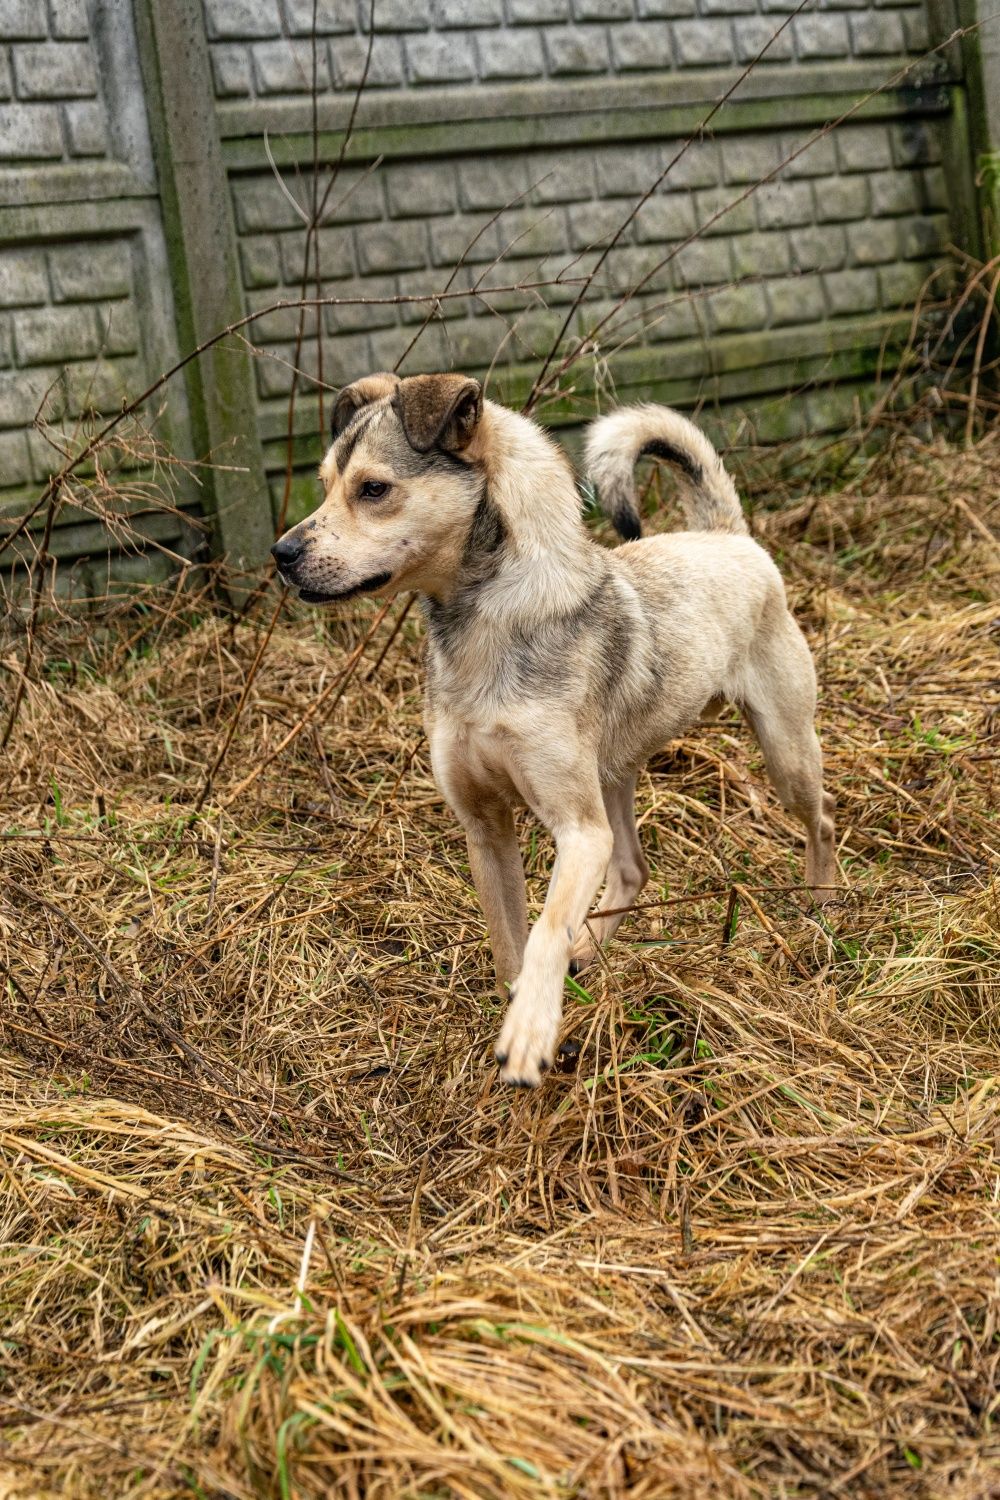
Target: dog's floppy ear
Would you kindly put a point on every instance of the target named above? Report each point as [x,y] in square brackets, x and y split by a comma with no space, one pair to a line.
[362,393]
[439,411]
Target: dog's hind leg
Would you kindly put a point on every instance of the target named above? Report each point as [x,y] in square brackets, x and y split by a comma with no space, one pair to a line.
[627,873]
[780,704]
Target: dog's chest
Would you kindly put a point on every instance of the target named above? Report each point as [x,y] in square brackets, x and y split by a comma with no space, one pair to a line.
[470,681]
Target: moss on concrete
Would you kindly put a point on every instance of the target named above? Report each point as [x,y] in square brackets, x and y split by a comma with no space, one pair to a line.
[456,137]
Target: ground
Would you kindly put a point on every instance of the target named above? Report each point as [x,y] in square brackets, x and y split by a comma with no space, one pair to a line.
[272,1226]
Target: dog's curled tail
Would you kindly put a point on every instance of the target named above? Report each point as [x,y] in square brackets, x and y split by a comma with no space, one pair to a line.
[616,442]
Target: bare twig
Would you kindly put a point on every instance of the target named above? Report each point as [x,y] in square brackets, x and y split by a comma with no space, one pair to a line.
[538,385]
[543,384]
[339,682]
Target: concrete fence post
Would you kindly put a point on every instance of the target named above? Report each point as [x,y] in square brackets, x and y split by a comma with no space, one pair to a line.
[981,56]
[201,241]
[989,164]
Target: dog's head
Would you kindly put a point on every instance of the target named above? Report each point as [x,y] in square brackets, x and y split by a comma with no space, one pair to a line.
[402,481]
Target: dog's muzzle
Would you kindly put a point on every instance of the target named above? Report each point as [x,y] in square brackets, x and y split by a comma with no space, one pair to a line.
[286,552]
[366,586]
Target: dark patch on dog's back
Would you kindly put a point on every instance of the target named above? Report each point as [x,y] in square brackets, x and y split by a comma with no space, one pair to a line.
[533,661]
[537,663]
[631,668]
[616,652]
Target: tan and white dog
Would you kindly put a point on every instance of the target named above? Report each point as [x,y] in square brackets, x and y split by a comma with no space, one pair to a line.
[557,667]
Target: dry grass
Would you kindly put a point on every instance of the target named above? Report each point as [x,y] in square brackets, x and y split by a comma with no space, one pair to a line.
[271,1226]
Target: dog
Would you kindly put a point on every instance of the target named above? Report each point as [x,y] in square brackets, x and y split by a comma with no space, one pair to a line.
[555,666]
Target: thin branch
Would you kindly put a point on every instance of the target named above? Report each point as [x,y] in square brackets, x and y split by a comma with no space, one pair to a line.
[312,244]
[539,381]
[586,342]
[340,681]
[37,576]
[247,685]
[987,318]
[131,407]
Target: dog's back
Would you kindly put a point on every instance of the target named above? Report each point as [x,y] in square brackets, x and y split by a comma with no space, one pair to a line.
[711,599]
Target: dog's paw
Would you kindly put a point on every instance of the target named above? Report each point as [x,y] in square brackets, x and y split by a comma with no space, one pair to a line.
[527,1043]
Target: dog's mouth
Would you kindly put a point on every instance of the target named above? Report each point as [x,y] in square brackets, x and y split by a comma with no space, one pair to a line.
[366,586]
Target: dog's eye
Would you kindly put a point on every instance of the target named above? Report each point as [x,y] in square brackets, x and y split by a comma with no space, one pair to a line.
[373,489]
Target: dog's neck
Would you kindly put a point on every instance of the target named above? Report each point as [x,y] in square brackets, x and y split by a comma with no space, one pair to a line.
[527,556]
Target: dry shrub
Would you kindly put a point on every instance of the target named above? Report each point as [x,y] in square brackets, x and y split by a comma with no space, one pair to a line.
[270,1224]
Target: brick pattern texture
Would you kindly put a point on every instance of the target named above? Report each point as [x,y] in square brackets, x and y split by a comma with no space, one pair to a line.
[851,228]
[69,329]
[854,226]
[51,108]
[69,336]
[262,48]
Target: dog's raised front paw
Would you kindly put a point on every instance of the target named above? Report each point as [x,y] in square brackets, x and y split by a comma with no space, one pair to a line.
[527,1043]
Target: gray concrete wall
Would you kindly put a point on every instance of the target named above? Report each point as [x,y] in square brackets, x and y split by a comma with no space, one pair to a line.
[51,108]
[263,50]
[135,219]
[86,308]
[465,98]
[832,250]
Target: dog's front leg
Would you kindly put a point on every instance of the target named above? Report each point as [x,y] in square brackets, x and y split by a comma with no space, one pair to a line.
[494,856]
[531,1027]
[498,874]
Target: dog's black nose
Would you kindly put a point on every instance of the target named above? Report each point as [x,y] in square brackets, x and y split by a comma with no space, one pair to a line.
[286,549]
